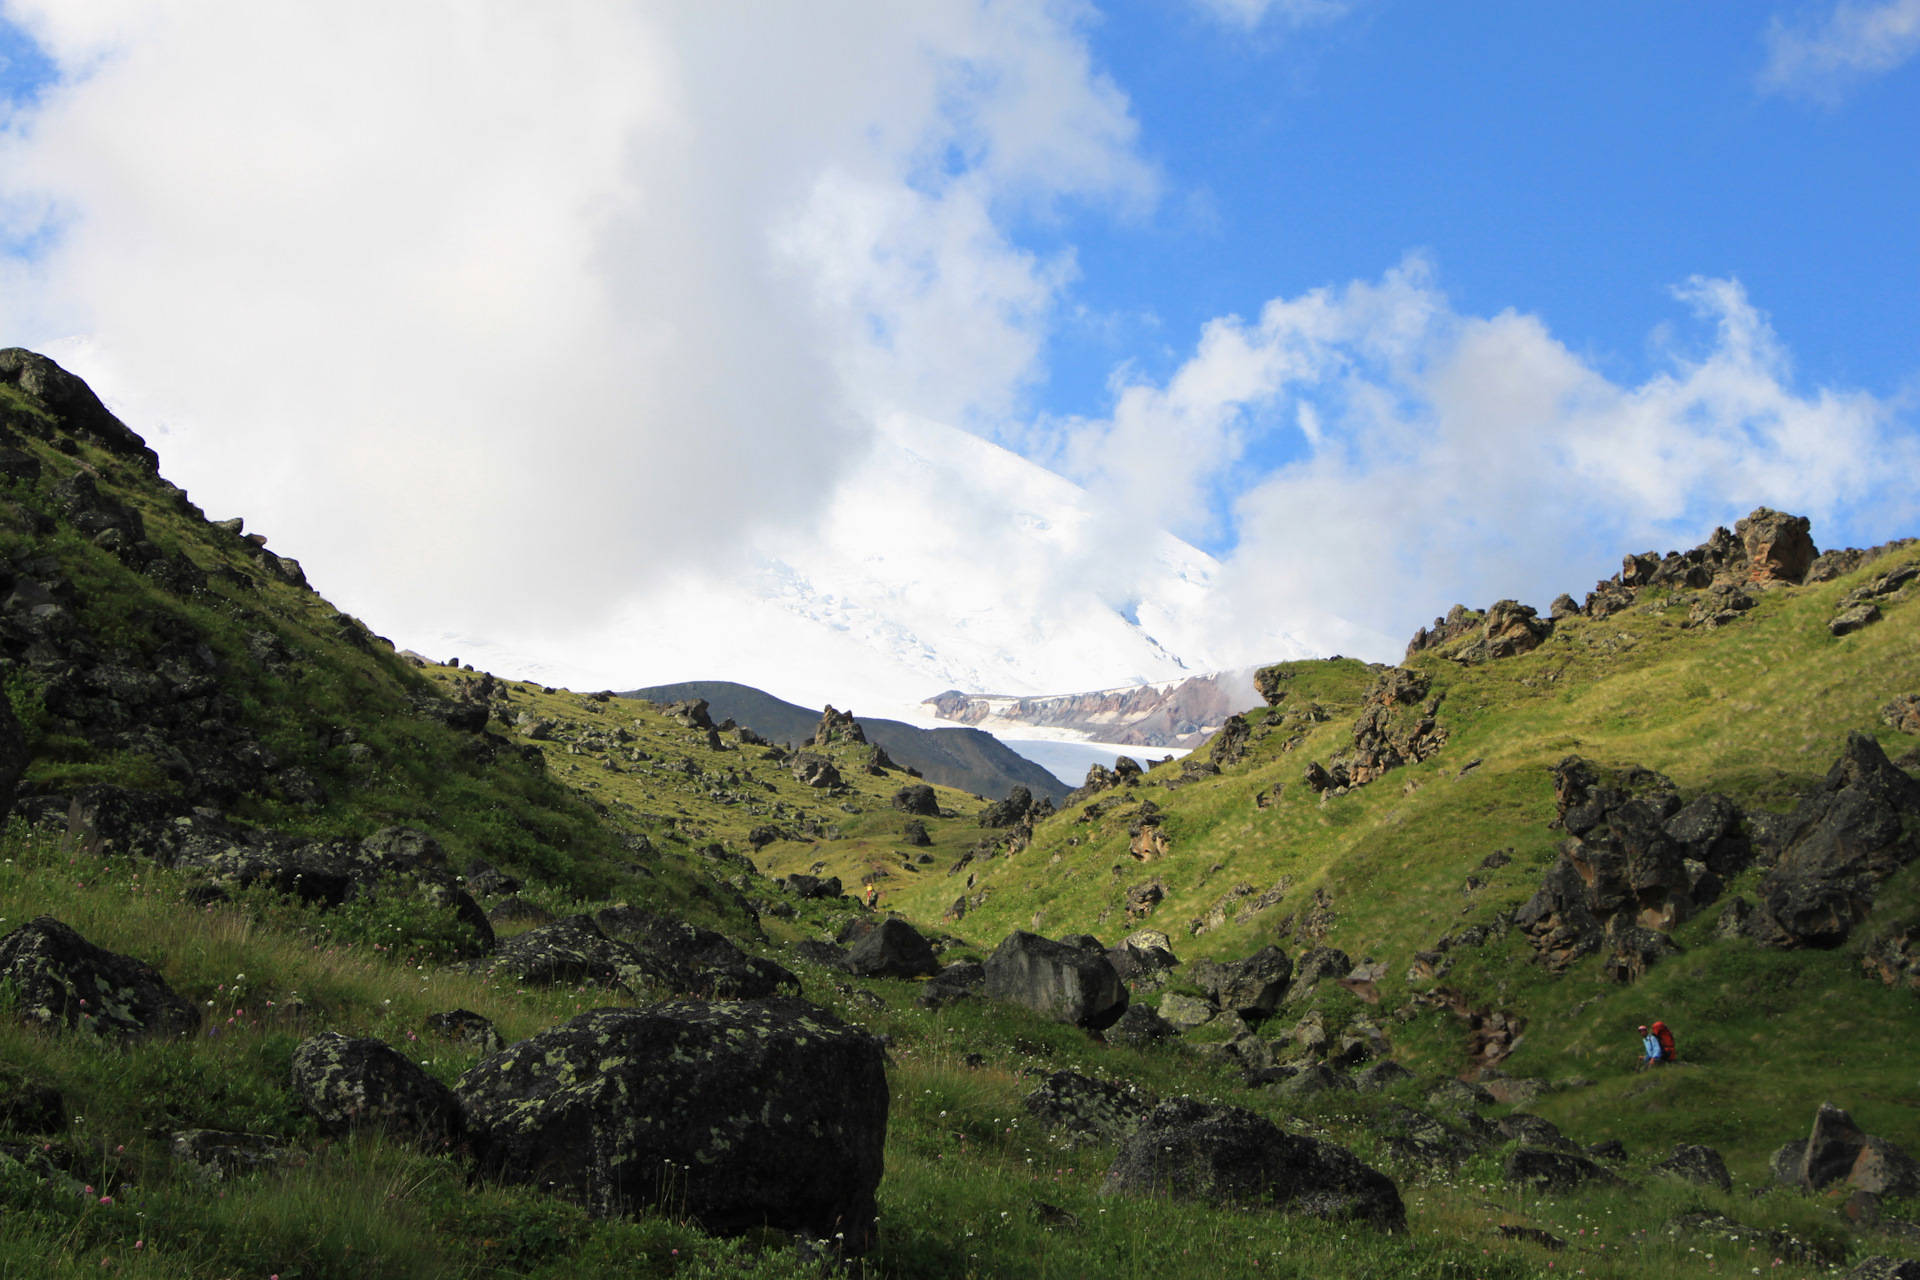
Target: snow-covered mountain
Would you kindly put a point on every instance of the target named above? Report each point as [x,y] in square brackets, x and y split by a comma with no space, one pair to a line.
[943,562]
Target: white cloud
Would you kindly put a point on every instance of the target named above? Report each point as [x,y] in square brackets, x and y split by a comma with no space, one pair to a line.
[1855,40]
[1251,13]
[1433,457]
[485,307]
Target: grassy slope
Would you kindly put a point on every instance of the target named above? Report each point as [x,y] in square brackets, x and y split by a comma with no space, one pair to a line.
[1756,709]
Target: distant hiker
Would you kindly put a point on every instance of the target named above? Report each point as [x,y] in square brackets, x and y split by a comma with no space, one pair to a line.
[1650,1043]
[873,895]
[1664,1035]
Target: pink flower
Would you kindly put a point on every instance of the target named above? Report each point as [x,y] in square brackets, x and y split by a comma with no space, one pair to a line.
[106,1199]
[139,1244]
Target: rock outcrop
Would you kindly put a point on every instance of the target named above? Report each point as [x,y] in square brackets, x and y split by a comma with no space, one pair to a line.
[1636,864]
[1836,848]
[1086,1110]
[760,1113]
[1838,1151]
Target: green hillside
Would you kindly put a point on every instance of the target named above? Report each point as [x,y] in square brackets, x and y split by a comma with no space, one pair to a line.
[198,729]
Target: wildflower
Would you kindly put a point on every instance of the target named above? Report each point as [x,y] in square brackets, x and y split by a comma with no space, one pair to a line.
[106,1199]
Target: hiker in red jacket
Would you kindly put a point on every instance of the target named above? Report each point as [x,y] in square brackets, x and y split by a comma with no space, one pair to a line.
[1664,1034]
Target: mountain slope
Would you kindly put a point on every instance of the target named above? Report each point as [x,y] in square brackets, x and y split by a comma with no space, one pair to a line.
[967,759]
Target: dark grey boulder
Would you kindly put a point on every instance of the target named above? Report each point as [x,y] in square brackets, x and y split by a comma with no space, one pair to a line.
[463,1026]
[1419,1138]
[1316,1077]
[1552,1170]
[1717,1226]
[1534,1131]
[684,959]
[1788,1164]
[1253,987]
[826,954]
[217,1155]
[918,799]
[914,832]
[1612,1149]
[1141,1025]
[1881,1266]
[1088,1110]
[892,949]
[106,821]
[740,1115]
[1318,963]
[482,877]
[1061,982]
[1194,1150]
[1381,1075]
[349,1083]
[957,981]
[1698,1164]
[62,982]
[1832,1148]
[1456,1095]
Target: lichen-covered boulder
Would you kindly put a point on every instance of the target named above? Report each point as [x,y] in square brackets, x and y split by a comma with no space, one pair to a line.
[1067,984]
[570,950]
[1088,1110]
[738,1114]
[1196,1150]
[892,949]
[63,982]
[347,1083]
[463,1026]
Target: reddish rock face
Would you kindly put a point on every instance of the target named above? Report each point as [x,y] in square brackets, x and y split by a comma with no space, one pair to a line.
[1778,545]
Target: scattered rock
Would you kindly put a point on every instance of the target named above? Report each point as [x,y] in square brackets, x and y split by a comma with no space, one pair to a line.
[1061,982]
[1612,1149]
[955,982]
[348,1084]
[1316,1077]
[740,1115]
[914,833]
[1380,1076]
[917,799]
[1553,1171]
[216,1155]
[1775,1244]
[1253,987]
[1420,1138]
[517,910]
[1141,1026]
[1698,1164]
[1532,1235]
[1534,1131]
[684,959]
[466,1027]
[1194,1150]
[1089,1110]
[1458,1095]
[1860,616]
[1880,1266]
[62,982]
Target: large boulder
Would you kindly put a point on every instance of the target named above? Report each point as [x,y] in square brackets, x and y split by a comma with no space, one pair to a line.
[1253,987]
[1008,812]
[62,982]
[1836,848]
[1067,984]
[684,959]
[1194,1150]
[13,756]
[349,1083]
[1697,1164]
[1088,1110]
[918,799]
[892,949]
[740,1115]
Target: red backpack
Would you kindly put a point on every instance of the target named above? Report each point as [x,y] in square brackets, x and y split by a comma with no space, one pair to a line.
[1665,1035]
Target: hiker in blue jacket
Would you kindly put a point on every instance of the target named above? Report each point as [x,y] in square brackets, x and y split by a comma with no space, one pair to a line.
[1651,1043]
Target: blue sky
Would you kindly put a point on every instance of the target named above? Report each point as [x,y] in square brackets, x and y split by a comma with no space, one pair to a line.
[1387,305]
[1569,161]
